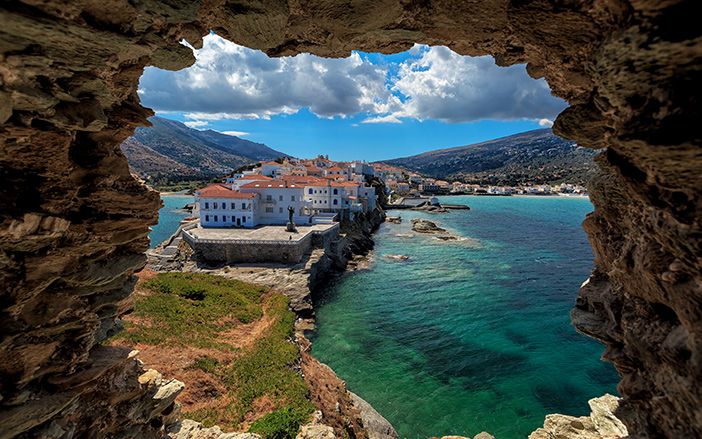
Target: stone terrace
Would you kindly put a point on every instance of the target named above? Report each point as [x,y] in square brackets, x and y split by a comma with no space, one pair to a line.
[263,233]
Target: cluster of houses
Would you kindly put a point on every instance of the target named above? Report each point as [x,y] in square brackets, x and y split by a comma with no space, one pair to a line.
[310,191]
[404,183]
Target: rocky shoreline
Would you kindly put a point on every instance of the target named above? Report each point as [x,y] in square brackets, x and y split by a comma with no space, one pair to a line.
[340,412]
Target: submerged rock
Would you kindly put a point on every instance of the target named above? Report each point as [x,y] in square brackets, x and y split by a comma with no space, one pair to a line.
[394,219]
[397,257]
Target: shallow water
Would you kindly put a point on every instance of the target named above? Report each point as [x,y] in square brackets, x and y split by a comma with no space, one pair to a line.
[169,217]
[473,335]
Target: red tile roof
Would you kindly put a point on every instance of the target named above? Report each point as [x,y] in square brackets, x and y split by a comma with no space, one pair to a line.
[271,184]
[220,191]
[345,183]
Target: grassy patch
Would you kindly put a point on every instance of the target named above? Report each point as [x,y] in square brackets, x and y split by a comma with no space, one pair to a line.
[206,364]
[283,423]
[266,369]
[190,309]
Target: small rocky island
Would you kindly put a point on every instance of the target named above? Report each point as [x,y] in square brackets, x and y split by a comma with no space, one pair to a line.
[420,225]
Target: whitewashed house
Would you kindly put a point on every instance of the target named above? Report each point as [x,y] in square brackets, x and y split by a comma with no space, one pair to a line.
[219,206]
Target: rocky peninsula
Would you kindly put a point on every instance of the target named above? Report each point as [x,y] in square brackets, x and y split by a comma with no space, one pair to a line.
[339,411]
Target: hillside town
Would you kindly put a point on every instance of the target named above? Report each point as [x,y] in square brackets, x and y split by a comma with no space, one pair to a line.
[320,190]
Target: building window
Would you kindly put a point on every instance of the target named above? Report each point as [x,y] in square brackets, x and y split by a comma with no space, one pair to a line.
[336,201]
[280,210]
[214,205]
[325,191]
[280,198]
[309,192]
[224,218]
[325,201]
[207,217]
[269,198]
[269,210]
[215,220]
[243,219]
[243,205]
[207,205]
[336,191]
[292,197]
[233,206]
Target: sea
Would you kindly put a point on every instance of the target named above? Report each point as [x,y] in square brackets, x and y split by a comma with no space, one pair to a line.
[469,335]
[169,216]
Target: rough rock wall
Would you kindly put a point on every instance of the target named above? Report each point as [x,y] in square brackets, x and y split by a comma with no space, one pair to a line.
[73,223]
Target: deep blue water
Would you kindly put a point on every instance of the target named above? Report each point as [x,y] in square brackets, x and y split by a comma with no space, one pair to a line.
[169,217]
[473,335]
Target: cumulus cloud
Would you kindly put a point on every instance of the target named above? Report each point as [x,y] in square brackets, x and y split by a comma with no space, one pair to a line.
[196,123]
[242,83]
[235,133]
[442,85]
[391,118]
[232,82]
[546,123]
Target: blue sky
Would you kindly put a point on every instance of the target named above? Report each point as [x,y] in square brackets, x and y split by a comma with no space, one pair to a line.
[366,106]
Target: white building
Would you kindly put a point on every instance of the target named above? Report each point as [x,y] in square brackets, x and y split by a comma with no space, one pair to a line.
[274,198]
[220,206]
[249,202]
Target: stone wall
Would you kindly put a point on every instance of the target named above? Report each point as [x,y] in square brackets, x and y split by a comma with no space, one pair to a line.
[74,221]
[286,252]
[229,253]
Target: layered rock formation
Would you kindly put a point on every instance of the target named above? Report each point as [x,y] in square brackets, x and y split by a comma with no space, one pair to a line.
[73,228]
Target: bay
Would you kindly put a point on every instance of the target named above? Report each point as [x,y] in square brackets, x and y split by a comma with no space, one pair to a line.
[470,335]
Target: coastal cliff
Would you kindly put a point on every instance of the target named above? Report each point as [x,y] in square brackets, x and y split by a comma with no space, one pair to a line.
[340,412]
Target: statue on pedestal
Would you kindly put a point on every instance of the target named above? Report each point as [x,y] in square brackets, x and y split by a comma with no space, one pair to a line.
[290,227]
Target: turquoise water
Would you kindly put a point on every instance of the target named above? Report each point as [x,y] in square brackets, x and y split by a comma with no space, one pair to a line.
[474,335]
[169,217]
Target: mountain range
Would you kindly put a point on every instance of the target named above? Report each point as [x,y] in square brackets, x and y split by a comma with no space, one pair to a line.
[171,151]
[532,157]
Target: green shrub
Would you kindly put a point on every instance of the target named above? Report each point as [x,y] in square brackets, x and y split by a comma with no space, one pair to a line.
[283,423]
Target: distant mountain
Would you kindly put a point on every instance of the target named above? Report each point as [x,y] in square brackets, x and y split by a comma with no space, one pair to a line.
[536,157]
[169,150]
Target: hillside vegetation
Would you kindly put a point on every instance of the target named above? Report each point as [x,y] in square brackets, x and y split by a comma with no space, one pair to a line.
[232,347]
[532,157]
[169,151]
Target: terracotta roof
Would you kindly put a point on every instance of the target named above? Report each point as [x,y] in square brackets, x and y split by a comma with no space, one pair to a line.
[220,191]
[271,163]
[271,184]
[255,177]
[335,168]
[305,180]
[345,183]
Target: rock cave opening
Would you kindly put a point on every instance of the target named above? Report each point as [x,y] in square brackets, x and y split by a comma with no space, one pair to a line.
[75,221]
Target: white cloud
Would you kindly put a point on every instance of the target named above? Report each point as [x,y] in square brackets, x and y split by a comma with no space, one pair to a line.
[229,81]
[242,83]
[442,85]
[196,123]
[546,123]
[235,133]
[390,118]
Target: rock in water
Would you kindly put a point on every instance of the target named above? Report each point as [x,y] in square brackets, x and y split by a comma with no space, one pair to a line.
[377,427]
[397,257]
[426,226]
